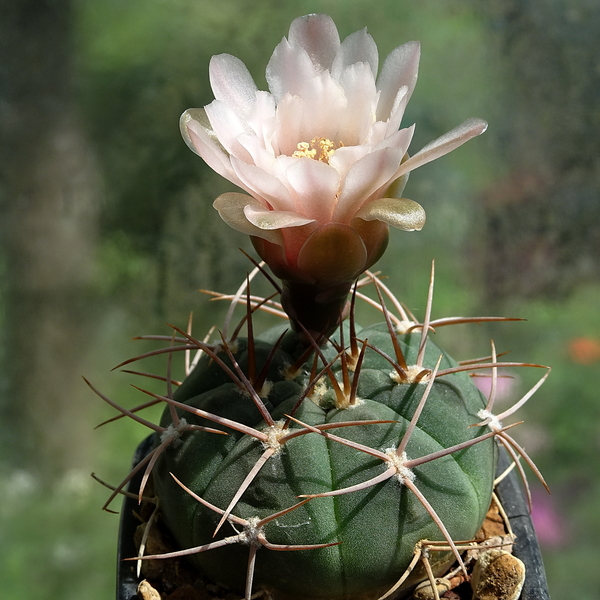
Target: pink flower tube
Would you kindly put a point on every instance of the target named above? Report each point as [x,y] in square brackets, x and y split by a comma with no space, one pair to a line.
[321,156]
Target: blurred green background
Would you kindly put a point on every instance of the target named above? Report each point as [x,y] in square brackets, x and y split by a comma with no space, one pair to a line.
[107,231]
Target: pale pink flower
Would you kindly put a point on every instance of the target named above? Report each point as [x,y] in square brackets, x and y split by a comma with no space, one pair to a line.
[320,154]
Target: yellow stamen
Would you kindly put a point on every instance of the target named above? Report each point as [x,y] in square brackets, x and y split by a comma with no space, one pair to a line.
[318,149]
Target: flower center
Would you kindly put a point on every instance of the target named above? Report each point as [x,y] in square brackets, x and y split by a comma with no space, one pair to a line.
[318,149]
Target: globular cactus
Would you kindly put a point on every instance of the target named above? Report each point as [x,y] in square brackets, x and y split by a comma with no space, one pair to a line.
[383,446]
[316,470]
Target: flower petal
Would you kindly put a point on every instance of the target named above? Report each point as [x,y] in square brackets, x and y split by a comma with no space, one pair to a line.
[444,144]
[397,112]
[314,186]
[261,119]
[196,119]
[258,154]
[288,125]
[398,212]
[318,35]
[262,184]
[400,139]
[400,68]
[273,219]
[324,107]
[287,69]
[201,139]
[228,126]
[364,178]
[358,47]
[343,158]
[232,83]
[298,120]
[231,209]
[358,83]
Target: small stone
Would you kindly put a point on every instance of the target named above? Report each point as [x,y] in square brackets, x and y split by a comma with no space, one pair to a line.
[424,591]
[497,575]
[146,592]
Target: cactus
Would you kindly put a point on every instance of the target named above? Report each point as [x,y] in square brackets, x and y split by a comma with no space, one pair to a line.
[312,460]
[381,446]
[334,460]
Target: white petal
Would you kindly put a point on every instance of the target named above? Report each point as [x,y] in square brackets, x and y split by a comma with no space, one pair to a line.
[399,139]
[343,158]
[380,130]
[398,212]
[358,83]
[261,118]
[263,184]
[397,112]
[324,107]
[228,126]
[196,119]
[259,155]
[377,132]
[365,178]
[314,186]
[288,125]
[318,35]
[231,209]
[270,219]
[316,112]
[399,68]
[357,47]
[232,83]
[288,68]
[444,144]
[195,129]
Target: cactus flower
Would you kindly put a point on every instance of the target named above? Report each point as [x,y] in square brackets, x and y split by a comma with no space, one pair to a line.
[320,155]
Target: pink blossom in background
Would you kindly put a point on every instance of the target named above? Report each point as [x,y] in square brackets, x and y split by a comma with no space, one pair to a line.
[550,525]
[505,385]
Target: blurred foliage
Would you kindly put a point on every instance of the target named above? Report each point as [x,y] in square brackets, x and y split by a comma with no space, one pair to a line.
[542,218]
[513,227]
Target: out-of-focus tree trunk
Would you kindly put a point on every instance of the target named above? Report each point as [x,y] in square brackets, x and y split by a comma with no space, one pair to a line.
[48,235]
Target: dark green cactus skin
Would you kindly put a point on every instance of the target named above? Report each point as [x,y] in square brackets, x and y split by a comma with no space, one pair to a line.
[377,527]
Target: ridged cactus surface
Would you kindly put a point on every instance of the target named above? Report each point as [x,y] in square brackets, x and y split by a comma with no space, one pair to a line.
[374,529]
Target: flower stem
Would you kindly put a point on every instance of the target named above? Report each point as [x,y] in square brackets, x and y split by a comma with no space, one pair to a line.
[315,310]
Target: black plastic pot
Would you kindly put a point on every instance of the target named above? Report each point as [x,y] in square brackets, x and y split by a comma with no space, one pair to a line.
[127,579]
[509,492]
[526,547]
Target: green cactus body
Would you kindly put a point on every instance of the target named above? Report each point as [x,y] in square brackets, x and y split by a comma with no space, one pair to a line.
[375,529]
